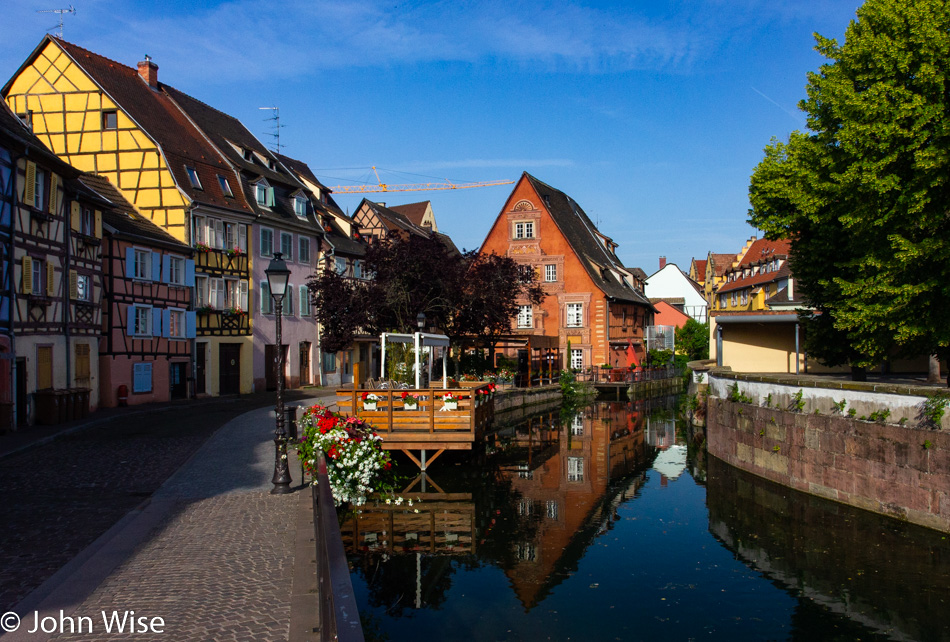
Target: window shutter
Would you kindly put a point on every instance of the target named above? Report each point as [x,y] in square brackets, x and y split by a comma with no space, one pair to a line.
[53,193]
[189,273]
[244,296]
[219,234]
[166,323]
[27,280]
[191,318]
[266,300]
[157,322]
[270,197]
[29,189]
[129,262]
[242,237]
[50,278]
[156,266]
[75,216]
[166,269]
[130,322]
[73,284]
[97,224]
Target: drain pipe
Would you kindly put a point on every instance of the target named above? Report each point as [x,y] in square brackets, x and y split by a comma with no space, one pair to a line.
[797,366]
[719,345]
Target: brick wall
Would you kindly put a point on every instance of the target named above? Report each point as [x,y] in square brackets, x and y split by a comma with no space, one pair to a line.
[883,468]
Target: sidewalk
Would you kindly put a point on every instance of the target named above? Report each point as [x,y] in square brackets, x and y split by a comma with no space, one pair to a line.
[212,553]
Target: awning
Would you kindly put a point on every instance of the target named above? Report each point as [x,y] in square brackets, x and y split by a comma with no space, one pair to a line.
[756,318]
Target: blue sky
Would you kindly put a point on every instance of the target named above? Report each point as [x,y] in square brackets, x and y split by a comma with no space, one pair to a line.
[651,115]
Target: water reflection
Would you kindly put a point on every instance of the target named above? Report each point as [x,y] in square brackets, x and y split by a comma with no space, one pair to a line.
[890,576]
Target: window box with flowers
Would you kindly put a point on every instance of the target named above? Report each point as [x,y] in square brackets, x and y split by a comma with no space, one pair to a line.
[234,251]
[203,248]
[450,401]
[233,312]
[205,309]
[410,400]
[369,401]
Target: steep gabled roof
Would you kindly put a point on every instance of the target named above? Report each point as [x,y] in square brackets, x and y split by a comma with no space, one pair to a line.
[124,218]
[304,173]
[601,264]
[393,220]
[158,116]
[412,211]
[721,262]
[700,266]
[764,250]
[756,279]
[13,130]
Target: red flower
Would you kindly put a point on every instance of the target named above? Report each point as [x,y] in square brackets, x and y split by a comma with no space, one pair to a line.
[405,394]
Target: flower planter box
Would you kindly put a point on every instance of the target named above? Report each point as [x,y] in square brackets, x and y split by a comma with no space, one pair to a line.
[451,405]
[411,406]
[369,405]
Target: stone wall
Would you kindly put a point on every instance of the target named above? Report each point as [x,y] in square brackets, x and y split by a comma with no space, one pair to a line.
[901,471]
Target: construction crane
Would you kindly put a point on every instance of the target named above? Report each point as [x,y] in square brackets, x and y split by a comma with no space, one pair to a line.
[409,187]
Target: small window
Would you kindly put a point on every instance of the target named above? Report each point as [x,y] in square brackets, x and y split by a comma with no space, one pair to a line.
[264,194]
[267,301]
[26,119]
[143,265]
[304,301]
[303,250]
[525,317]
[176,270]
[39,189]
[524,230]
[225,186]
[110,119]
[329,362]
[176,324]
[193,177]
[575,469]
[300,206]
[83,288]
[141,320]
[287,303]
[340,265]
[267,242]
[550,273]
[577,358]
[202,291]
[287,246]
[357,269]
[87,222]
[575,315]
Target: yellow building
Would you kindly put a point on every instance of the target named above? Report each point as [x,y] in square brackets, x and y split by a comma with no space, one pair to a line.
[118,122]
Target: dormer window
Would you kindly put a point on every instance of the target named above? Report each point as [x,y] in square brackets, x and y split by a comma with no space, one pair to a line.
[247,154]
[225,186]
[193,177]
[300,206]
[264,194]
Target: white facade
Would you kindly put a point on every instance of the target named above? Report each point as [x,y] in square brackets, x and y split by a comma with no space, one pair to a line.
[670,282]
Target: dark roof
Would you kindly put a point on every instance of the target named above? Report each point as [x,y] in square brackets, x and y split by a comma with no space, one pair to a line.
[780,297]
[124,218]
[412,211]
[304,172]
[181,142]
[638,272]
[583,236]
[393,220]
[447,242]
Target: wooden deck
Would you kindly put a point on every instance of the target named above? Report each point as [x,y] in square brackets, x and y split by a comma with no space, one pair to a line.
[430,427]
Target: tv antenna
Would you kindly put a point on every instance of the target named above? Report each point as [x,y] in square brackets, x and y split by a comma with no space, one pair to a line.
[61,13]
[277,126]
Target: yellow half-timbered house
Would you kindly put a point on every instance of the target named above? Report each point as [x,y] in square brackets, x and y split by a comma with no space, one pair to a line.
[119,122]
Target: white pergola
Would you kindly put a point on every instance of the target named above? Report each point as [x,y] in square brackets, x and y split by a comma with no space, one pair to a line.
[419,340]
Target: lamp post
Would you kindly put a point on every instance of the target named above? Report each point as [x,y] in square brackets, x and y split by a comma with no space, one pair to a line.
[277,277]
[421,320]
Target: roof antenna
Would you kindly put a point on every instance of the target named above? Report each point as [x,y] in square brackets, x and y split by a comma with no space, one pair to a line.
[61,12]
[277,126]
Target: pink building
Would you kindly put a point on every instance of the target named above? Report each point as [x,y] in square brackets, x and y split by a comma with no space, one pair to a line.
[145,353]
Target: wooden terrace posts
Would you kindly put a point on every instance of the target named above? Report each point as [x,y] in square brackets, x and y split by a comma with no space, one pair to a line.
[430,426]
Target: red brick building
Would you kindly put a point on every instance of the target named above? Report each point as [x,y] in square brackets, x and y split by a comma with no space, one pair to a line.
[592,301]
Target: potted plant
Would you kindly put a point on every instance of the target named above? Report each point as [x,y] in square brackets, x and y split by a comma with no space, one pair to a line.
[410,400]
[450,401]
[370,400]
[205,309]
[234,251]
[202,247]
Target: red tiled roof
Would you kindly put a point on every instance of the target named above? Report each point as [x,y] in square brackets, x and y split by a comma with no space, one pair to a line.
[722,262]
[765,250]
[757,279]
[164,122]
[413,211]
[700,267]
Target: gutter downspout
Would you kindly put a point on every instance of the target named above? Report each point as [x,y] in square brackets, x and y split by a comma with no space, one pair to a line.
[67,309]
[14,304]
[719,345]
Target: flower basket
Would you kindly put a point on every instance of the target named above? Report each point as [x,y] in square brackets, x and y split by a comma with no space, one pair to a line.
[369,405]
[410,401]
[451,405]
[411,405]
[369,401]
[450,402]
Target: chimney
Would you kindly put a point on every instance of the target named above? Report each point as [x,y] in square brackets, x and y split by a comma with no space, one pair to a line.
[662,262]
[148,70]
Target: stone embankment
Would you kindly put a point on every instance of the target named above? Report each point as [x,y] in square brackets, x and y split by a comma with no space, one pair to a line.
[884,456]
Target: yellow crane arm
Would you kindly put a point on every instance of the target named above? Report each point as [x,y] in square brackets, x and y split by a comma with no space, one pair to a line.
[409,187]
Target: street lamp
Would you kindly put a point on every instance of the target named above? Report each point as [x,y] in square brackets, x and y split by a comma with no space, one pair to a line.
[421,320]
[277,277]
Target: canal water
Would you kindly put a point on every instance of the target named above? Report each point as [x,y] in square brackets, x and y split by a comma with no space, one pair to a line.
[609,523]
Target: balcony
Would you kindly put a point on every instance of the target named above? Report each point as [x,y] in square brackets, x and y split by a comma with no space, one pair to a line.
[211,261]
[624,332]
[222,323]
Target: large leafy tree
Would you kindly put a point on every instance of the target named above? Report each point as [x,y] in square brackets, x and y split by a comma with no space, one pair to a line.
[692,340]
[864,195]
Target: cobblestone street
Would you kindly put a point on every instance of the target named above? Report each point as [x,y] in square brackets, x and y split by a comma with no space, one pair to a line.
[59,497]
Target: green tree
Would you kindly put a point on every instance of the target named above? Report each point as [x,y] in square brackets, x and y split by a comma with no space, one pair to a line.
[692,340]
[863,196]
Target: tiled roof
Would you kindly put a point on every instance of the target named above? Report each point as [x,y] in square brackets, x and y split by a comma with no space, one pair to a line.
[672,300]
[781,297]
[764,250]
[13,130]
[721,262]
[304,172]
[757,279]
[638,272]
[181,142]
[700,267]
[412,211]
[448,243]
[124,218]
[602,265]
[394,220]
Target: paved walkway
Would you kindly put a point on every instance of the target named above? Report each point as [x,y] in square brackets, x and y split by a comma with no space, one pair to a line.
[212,553]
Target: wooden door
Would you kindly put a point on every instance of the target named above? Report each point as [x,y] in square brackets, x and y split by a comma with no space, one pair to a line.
[179,383]
[304,363]
[229,368]
[44,367]
[200,368]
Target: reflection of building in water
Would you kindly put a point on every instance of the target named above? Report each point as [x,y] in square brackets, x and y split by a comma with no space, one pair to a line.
[568,495]
[440,524]
[660,433]
[670,463]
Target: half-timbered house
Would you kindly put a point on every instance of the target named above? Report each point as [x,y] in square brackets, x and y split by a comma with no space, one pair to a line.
[592,303]
[120,122]
[52,281]
[148,323]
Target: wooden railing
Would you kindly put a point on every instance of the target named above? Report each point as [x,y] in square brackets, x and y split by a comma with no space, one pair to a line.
[625,375]
[339,618]
[427,425]
[216,322]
